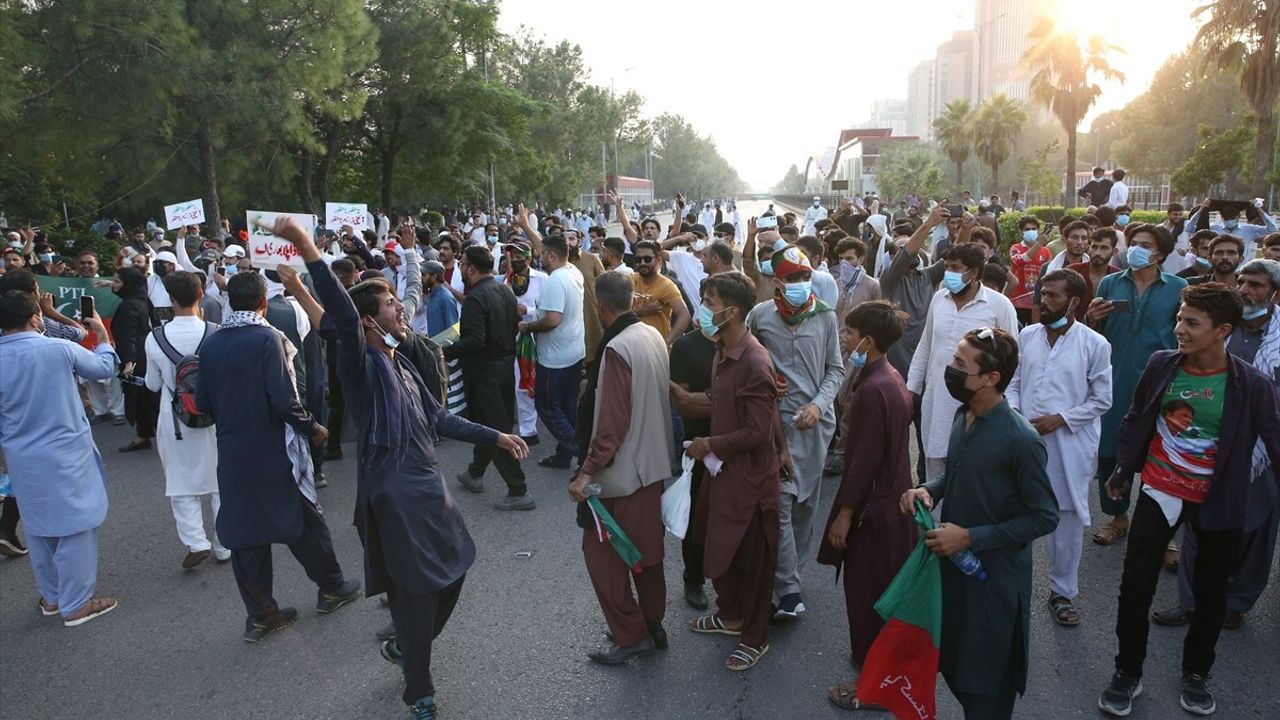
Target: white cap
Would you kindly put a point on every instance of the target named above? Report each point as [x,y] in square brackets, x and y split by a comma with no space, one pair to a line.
[166,256]
[233,251]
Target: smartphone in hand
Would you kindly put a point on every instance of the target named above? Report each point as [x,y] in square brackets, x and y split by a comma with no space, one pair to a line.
[87,309]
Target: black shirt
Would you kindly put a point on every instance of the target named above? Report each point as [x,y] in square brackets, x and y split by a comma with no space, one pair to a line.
[1097,190]
[487,327]
[691,357]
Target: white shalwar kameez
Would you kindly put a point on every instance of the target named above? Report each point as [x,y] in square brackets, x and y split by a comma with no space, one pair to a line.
[526,410]
[190,464]
[944,328]
[1071,379]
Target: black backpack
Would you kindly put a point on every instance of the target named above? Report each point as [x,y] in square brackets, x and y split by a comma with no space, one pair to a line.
[186,375]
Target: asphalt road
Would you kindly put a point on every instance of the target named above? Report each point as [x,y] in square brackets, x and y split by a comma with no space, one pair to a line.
[516,645]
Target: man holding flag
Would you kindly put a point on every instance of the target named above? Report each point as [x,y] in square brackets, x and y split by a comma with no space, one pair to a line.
[626,412]
[998,500]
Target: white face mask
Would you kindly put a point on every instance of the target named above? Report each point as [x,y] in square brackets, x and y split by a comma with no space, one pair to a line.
[387,337]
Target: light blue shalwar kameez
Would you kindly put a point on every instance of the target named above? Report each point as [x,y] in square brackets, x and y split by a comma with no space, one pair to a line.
[56,470]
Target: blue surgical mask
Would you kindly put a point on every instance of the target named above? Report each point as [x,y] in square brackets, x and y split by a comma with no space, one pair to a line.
[1203,261]
[1056,324]
[1231,224]
[765,267]
[231,269]
[1255,313]
[46,257]
[859,358]
[491,239]
[707,321]
[387,337]
[1122,220]
[797,293]
[954,282]
[1029,236]
[1138,257]
[698,245]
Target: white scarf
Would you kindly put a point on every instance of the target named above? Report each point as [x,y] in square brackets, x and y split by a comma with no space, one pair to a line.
[1266,361]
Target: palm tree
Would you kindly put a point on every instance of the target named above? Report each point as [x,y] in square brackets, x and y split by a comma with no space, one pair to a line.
[1244,36]
[1063,80]
[952,129]
[995,126]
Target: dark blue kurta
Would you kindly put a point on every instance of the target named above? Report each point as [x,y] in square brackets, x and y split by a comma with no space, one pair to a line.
[245,385]
[996,486]
[413,533]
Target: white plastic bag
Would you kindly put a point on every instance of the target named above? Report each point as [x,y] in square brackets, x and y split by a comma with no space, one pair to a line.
[677,499]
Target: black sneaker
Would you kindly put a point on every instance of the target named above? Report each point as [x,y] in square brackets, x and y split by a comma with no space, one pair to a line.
[390,651]
[470,482]
[1117,698]
[257,628]
[1175,616]
[789,607]
[321,480]
[11,546]
[1196,698]
[387,633]
[347,592]
[423,709]
[695,596]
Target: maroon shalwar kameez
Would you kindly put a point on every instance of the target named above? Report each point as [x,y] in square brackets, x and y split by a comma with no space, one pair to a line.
[638,514]
[738,508]
[877,472]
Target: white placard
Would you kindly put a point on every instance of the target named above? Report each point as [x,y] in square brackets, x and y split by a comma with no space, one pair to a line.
[265,249]
[183,214]
[354,214]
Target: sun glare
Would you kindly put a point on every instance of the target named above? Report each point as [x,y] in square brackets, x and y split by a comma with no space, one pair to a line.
[1078,19]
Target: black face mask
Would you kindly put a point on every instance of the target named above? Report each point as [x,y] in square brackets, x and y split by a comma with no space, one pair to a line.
[955,380]
[162,269]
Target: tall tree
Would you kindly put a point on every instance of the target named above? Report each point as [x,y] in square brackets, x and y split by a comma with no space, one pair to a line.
[909,167]
[996,126]
[1220,158]
[953,129]
[1064,81]
[1244,36]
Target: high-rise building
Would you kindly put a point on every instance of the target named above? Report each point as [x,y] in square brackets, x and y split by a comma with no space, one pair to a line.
[1002,27]
[920,110]
[953,70]
[890,114]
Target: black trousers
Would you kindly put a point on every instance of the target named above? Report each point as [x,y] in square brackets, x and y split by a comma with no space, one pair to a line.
[313,550]
[337,411]
[141,409]
[491,401]
[9,516]
[986,707]
[915,420]
[1218,554]
[419,619]
[693,552]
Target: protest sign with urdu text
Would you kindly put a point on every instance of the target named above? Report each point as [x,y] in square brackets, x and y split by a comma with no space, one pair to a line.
[265,249]
[184,214]
[354,214]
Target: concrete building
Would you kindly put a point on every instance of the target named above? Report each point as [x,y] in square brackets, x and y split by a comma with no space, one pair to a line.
[852,163]
[920,105]
[1001,27]
[953,70]
[890,114]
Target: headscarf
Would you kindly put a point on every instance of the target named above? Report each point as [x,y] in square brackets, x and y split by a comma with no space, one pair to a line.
[133,283]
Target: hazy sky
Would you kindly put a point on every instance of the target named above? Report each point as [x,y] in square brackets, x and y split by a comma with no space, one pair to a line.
[697,58]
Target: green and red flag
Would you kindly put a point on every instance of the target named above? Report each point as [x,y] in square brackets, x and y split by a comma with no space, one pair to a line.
[901,669]
[67,291]
[608,529]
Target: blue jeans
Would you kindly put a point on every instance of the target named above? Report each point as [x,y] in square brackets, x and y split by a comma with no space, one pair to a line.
[555,395]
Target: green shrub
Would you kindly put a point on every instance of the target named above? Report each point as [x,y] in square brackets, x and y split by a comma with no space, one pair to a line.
[68,243]
[1009,221]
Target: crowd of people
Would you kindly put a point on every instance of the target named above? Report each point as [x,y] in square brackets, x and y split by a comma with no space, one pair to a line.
[1092,352]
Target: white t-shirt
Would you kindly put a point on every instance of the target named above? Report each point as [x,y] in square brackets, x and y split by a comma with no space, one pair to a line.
[565,344]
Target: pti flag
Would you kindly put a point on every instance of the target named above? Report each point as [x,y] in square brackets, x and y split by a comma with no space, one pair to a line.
[901,669]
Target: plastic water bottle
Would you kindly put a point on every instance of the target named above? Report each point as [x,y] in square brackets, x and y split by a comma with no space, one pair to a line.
[969,564]
[592,489]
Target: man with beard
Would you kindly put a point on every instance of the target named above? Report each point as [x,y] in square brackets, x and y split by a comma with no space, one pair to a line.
[1200,255]
[1102,245]
[1224,252]
[526,283]
[417,548]
[1063,386]
[658,302]
[486,348]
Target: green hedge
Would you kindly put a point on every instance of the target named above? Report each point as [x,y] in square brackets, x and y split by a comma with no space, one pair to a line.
[1009,222]
[68,243]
